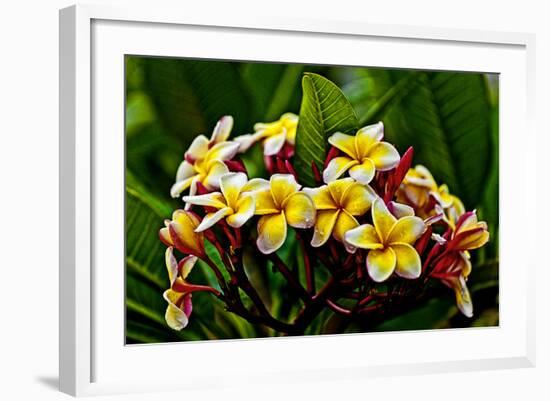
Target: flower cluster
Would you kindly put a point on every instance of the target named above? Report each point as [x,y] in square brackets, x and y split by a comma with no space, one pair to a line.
[372,220]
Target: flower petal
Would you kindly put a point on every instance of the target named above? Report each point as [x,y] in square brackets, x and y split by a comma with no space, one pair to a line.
[326,219]
[212,218]
[187,305]
[336,167]
[192,190]
[265,203]
[382,218]
[180,186]
[245,141]
[344,223]
[364,236]
[367,137]
[358,199]
[274,143]
[183,235]
[290,121]
[245,210]
[463,298]
[345,143]
[339,188]
[408,264]
[185,170]
[467,221]
[186,265]
[255,184]
[443,197]
[407,230]
[222,129]
[271,232]
[416,195]
[299,211]
[384,156]
[321,197]
[470,239]
[164,236]
[466,265]
[364,172]
[282,186]
[231,185]
[223,151]
[381,264]
[198,149]
[213,199]
[216,169]
[174,316]
[400,210]
[171,264]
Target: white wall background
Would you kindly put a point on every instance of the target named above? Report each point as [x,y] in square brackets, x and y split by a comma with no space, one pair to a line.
[29,197]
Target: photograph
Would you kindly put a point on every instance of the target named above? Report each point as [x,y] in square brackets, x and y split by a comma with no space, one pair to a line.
[271,199]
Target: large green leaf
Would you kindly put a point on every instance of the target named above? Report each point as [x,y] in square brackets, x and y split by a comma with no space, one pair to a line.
[324,111]
[191,95]
[445,116]
[144,251]
[274,88]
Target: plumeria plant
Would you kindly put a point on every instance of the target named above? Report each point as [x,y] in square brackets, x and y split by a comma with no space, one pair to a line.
[380,229]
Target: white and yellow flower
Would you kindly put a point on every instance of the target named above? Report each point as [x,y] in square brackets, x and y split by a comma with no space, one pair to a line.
[204,160]
[469,233]
[235,203]
[337,205]
[180,292]
[281,204]
[273,135]
[419,184]
[180,233]
[365,154]
[463,298]
[454,272]
[389,242]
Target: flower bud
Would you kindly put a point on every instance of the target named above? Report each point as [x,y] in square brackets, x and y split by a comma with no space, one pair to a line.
[180,233]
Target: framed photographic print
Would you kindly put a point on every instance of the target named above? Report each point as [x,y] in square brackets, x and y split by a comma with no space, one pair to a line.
[322,190]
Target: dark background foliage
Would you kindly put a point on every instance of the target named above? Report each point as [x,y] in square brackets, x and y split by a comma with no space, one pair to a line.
[450,118]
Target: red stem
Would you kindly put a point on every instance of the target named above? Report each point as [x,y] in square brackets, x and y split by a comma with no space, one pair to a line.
[285,271]
[337,308]
[310,278]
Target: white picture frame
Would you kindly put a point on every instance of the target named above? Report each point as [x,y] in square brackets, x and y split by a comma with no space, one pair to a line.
[91,360]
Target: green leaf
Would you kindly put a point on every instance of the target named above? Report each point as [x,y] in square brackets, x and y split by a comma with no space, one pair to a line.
[445,116]
[324,111]
[191,95]
[433,314]
[144,251]
[274,88]
[154,156]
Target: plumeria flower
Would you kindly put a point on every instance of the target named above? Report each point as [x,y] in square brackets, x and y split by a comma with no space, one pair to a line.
[389,242]
[273,135]
[180,233]
[204,160]
[180,292]
[337,203]
[365,153]
[454,272]
[469,233]
[234,202]
[419,185]
[280,205]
